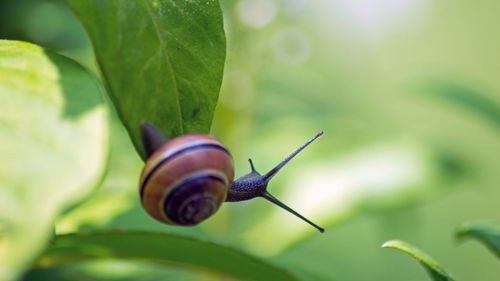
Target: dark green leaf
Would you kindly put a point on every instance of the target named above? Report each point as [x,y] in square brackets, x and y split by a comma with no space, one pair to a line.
[160,248]
[488,234]
[116,270]
[53,146]
[162,59]
[436,272]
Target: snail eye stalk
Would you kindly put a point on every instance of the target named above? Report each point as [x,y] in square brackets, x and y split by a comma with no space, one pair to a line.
[275,201]
[267,177]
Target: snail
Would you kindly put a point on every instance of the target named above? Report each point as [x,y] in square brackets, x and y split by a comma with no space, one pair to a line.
[186,179]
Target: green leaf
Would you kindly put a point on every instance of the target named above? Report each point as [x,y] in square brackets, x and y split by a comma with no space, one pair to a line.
[161,248]
[53,146]
[436,272]
[470,99]
[117,270]
[488,234]
[162,59]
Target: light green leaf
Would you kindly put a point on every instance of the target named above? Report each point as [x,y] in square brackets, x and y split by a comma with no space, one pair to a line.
[162,59]
[161,248]
[53,146]
[488,234]
[436,272]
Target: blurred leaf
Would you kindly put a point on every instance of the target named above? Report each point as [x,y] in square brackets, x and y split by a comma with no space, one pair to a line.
[162,248]
[119,270]
[162,60]
[469,99]
[488,234]
[49,23]
[451,165]
[116,194]
[436,272]
[53,135]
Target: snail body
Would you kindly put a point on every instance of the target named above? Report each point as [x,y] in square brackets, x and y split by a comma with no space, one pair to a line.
[186,179]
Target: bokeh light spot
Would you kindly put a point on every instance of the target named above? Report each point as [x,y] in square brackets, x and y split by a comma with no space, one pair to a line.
[292,46]
[256,13]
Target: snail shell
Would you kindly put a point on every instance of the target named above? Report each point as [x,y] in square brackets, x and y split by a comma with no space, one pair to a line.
[186,179]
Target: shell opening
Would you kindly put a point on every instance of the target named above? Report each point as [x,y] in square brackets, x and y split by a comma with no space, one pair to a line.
[198,210]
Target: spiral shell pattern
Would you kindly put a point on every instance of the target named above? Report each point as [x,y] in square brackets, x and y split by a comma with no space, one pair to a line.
[186,180]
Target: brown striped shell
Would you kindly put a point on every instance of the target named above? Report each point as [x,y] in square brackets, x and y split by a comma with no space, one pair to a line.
[186,180]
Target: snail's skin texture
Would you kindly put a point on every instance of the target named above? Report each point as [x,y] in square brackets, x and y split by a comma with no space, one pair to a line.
[186,180]
[248,186]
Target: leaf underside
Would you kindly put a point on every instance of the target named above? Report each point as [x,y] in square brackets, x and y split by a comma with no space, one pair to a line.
[163,60]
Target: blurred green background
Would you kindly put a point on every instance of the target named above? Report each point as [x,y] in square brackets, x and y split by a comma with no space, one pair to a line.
[407,93]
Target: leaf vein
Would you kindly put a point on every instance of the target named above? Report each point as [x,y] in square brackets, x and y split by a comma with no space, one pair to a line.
[163,50]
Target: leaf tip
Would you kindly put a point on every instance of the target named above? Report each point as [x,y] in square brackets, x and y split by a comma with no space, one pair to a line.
[392,243]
